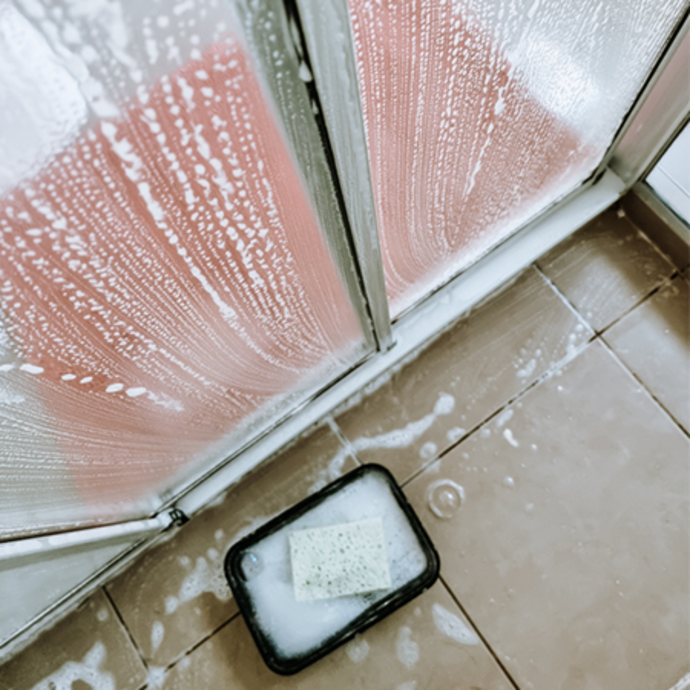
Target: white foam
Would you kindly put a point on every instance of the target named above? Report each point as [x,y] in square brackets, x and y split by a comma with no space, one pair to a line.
[408,685]
[296,627]
[31,369]
[455,434]
[157,634]
[683,683]
[406,648]
[87,671]
[508,436]
[428,450]
[527,370]
[444,405]
[357,649]
[504,417]
[401,438]
[155,677]
[206,577]
[136,392]
[332,471]
[451,626]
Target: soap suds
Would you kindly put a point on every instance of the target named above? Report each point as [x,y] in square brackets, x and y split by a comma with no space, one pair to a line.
[401,438]
[31,369]
[155,677]
[205,578]
[208,576]
[333,470]
[409,685]
[88,670]
[508,436]
[271,586]
[683,683]
[445,497]
[428,450]
[357,649]
[451,626]
[455,434]
[397,438]
[527,370]
[157,633]
[504,417]
[406,648]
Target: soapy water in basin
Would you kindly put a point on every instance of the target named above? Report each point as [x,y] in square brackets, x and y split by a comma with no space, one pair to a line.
[296,627]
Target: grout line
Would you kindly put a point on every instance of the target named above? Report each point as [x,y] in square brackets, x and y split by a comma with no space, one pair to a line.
[566,301]
[128,632]
[662,283]
[344,440]
[644,386]
[171,665]
[544,376]
[147,665]
[600,334]
[202,641]
[479,633]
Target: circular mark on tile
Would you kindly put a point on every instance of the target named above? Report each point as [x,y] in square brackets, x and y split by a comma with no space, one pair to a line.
[445,498]
[251,565]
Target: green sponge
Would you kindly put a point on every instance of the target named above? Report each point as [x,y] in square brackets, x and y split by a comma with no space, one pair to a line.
[339,560]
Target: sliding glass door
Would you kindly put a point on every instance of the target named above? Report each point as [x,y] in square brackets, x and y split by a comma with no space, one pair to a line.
[167,290]
[479,114]
[209,210]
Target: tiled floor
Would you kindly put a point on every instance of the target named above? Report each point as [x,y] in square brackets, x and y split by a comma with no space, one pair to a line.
[562,407]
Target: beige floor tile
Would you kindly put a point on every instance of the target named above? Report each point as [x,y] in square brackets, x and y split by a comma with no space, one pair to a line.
[654,341]
[176,595]
[427,644]
[88,649]
[606,268]
[570,548]
[464,376]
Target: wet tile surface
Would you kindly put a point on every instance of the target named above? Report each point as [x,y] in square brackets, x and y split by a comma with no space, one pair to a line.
[177,594]
[426,644]
[606,268]
[654,342]
[88,649]
[570,549]
[464,376]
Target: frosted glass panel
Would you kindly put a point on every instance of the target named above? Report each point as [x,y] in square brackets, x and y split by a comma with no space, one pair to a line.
[165,289]
[480,113]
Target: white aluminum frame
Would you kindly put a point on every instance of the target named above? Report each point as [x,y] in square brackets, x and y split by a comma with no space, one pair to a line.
[658,114]
[34,548]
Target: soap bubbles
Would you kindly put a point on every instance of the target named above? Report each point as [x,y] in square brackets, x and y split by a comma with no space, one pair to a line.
[251,565]
[444,498]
